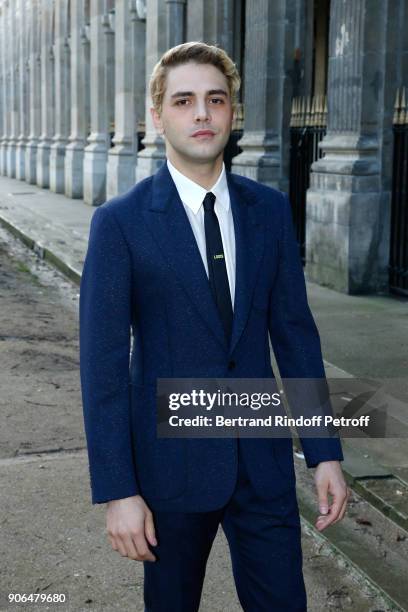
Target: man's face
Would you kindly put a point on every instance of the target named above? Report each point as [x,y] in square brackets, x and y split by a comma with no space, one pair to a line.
[196,117]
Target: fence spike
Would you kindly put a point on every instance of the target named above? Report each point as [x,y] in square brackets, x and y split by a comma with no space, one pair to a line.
[299,112]
[308,117]
[321,110]
[302,112]
[395,119]
[315,121]
[404,109]
[292,112]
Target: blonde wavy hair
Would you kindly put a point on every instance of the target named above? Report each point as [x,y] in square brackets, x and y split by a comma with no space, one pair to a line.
[197,52]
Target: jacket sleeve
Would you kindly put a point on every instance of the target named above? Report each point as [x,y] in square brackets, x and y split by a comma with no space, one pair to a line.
[293,332]
[104,322]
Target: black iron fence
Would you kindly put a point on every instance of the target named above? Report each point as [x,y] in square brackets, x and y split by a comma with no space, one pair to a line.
[307,128]
[398,265]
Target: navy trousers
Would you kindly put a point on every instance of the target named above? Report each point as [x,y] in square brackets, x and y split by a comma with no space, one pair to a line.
[265,547]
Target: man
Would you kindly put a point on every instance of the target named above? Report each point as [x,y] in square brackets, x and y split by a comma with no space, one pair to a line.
[199,264]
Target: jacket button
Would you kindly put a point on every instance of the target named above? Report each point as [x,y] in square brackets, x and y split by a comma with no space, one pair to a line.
[231,364]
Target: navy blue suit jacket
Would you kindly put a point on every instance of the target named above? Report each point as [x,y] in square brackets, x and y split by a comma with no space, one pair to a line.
[143,276]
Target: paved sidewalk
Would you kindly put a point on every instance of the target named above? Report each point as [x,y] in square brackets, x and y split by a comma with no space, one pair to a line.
[362,336]
[53,225]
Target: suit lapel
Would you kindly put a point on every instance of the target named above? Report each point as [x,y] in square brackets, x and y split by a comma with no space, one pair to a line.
[249,246]
[170,226]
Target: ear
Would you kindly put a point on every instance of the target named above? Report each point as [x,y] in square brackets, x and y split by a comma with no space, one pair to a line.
[157,120]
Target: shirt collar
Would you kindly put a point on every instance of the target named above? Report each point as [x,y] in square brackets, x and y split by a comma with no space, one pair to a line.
[192,194]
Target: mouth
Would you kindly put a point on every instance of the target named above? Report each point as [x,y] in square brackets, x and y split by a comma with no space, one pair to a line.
[202,134]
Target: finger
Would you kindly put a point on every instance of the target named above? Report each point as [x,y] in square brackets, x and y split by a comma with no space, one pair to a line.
[344,507]
[149,529]
[324,521]
[340,496]
[142,548]
[130,548]
[113,542]
[342,513]
[120,547]
[322,490]
[339,499]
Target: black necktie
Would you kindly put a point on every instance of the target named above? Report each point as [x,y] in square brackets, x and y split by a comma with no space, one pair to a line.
[217,270]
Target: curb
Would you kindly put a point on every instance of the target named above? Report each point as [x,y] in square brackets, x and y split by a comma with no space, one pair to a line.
[42,251]
[362,487]
[341,548]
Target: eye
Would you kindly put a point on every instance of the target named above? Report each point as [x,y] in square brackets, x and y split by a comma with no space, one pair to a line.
[181,102]
[217,100]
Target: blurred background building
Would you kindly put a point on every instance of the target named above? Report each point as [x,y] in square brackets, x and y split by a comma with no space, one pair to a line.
[323,111]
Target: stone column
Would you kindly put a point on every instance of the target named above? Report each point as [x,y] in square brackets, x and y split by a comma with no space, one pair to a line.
[176,20]
[108,23]
[4,88]
[62,98]
[212,21]
[11,38]
[1,87]
[121,157]
[198,20]
[24,76]
[34,92]
[268,60]
[152,156]
[138,76]
[96,152]
[74,152]
[224,24]
[47,95]
[348,203]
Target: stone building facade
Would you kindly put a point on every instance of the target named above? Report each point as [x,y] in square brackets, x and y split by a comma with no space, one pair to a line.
[74,104]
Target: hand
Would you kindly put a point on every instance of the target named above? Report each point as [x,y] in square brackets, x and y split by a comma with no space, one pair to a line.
[129,524]
[329,479]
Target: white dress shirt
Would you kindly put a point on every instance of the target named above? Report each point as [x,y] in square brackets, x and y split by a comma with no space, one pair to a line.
[192,196]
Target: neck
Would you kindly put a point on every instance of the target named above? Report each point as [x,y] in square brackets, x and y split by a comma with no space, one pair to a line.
[204,174]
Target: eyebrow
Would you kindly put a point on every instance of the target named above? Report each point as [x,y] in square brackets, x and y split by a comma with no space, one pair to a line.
[212,92]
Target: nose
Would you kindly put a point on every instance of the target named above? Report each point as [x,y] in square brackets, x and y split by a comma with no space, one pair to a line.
[202,112]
